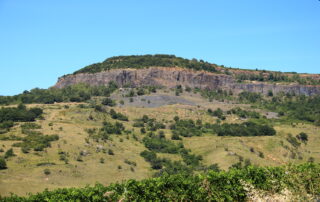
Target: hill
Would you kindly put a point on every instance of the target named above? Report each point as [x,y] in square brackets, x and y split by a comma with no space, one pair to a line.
[162,60]
[170,71]
[121,126]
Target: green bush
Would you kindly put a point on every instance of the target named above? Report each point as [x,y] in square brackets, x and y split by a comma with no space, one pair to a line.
[244,129]
[160,145]
[303,181]
[109,128]
[110,152]
[108,102]
[75,93]
[185,128]
[3,164]
[47,171]
[20,113]
[118,115]
[9,153]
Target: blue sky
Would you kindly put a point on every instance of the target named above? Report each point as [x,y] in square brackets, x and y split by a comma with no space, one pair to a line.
[42,40]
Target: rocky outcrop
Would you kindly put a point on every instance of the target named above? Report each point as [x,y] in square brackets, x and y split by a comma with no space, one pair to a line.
[171,77]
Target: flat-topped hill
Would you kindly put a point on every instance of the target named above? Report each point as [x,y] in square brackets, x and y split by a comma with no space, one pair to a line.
[163,60]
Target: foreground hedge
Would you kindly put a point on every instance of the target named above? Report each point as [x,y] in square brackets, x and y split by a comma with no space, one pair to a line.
[301,180]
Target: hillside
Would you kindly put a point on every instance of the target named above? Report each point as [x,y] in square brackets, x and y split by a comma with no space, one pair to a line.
[113,123]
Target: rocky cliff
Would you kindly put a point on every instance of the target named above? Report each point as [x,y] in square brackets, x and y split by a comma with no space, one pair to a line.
[171,77]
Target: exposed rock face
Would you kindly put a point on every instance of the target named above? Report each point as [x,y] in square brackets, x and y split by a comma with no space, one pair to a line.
[171,77]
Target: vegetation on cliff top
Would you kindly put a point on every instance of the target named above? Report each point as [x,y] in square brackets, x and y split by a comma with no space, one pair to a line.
[163,60]
[144,61]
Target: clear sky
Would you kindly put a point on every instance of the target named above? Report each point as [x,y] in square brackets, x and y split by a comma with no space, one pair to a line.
[42,40]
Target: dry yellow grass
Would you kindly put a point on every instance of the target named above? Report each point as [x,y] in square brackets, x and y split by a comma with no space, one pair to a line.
[70,123]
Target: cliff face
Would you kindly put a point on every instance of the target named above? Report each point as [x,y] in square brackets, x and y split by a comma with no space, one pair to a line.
[171,77]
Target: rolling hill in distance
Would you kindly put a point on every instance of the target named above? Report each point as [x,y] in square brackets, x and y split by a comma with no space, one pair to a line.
[161,127]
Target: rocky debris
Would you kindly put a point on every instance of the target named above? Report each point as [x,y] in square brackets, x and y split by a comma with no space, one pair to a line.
[272,115]
[99,148]
[150,101]
[171,77]
[84,153]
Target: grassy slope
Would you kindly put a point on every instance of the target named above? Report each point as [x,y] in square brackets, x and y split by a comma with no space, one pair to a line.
[24,175]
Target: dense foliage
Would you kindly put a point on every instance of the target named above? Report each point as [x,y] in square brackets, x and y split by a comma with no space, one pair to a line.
[161,145]
[277,77]
[245,129]
[118,115]
[302,181]
[20,113]
[244,113]
[144,61]
[188,128]
[75,93]
[9,115]
[110,128]
[302,108]
[148,123]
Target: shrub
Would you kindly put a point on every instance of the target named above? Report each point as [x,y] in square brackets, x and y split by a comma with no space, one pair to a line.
[110,152]
[261,155]
[109,128]
[143,130]
[185,128]
[118,115]
[21,113]
[3,164]
[293,141]
[130,162]
[302,137]
[160,145]
[9,153]
[46,171]
[140,91]
[79,158]
[244,129]
[175,136]
[108,102]
[218,113]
